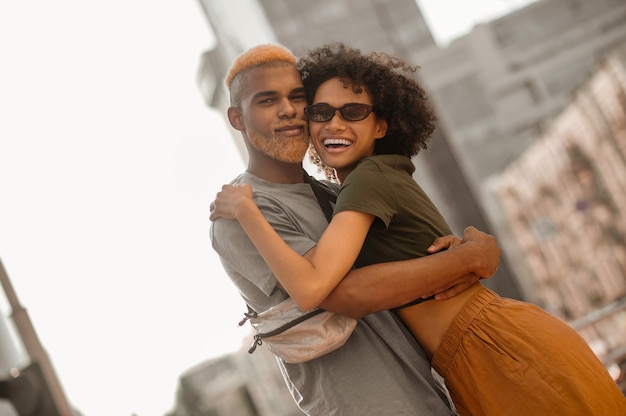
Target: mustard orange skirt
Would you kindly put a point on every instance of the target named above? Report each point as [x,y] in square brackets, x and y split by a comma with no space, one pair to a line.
[505,357]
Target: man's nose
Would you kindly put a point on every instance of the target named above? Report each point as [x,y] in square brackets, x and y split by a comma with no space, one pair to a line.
[287,109]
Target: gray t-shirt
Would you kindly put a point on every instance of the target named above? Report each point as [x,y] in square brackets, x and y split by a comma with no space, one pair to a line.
[381,370]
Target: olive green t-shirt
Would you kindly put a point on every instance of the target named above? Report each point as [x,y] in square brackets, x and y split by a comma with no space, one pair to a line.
[406,220]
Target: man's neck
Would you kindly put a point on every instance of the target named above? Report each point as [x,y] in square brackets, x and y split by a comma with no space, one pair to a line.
[277,172]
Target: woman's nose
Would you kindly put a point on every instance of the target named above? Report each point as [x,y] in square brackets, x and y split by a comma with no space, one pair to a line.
[336,121]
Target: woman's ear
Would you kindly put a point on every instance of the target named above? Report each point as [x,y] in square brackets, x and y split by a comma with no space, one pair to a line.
[235,118]
[381,129]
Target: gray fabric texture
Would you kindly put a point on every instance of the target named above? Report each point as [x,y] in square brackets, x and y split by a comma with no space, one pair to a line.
[380,370]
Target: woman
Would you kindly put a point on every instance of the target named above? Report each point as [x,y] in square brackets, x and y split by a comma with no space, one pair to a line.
[498,356]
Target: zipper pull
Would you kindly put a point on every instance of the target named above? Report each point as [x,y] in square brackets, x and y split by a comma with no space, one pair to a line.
[246,316]
[257,341]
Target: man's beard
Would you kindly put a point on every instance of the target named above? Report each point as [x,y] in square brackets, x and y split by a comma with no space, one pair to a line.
[288,149]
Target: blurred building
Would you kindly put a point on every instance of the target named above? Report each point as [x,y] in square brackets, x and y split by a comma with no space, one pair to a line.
[498,86]
[237,384]
[565,202]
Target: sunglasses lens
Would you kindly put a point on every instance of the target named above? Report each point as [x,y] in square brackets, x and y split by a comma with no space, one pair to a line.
[322,113]
[319,112]
[355,112]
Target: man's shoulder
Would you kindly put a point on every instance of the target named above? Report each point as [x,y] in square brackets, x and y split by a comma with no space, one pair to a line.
[258,185]
[263,192]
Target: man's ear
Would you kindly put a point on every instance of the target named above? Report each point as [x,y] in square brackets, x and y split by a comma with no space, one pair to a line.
[235,117]
[381,130]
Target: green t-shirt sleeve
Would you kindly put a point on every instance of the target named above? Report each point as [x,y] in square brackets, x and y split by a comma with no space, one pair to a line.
[367,190]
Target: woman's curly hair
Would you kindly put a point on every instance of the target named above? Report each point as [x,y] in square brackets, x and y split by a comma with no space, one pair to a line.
[397,97]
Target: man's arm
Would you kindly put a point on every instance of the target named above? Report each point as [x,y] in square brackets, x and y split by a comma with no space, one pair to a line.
[389,285]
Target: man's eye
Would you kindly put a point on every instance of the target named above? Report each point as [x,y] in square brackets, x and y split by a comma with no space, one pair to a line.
[298,97]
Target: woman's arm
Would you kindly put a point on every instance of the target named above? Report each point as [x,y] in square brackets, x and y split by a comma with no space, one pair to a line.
[376,287]
[307,280]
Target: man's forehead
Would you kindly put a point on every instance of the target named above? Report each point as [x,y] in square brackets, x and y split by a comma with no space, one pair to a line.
[272,79]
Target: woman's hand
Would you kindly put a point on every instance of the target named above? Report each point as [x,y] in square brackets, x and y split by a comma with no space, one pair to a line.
[230,200]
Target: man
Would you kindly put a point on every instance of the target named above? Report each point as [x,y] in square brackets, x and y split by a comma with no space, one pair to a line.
[380,370]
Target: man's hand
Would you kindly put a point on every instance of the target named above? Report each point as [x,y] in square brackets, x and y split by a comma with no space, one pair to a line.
[486,260]
[459,285]
[444,243]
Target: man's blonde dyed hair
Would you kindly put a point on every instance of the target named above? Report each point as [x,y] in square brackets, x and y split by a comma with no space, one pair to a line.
[256,56]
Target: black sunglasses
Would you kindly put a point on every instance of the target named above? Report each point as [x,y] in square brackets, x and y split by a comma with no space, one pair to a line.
[322,113]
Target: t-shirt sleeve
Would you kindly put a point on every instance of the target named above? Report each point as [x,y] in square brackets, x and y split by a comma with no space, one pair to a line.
[236,250]
[367,190]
